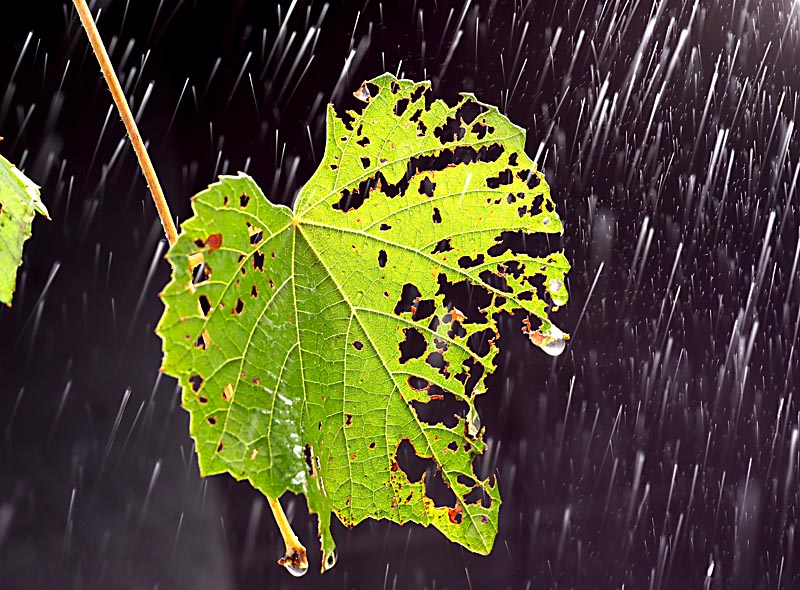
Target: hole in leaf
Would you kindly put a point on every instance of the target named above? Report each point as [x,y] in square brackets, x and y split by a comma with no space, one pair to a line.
[465,480]
[479,342]
[408,297]
[258,261]
[353,199]
[201,273]
[519,242]
[529,177]
[437,361]
[457,330]
[205,305]
[401,106]
[504,177]
[415,467]
[495,280]
[468,262]
[244,200]
[413,346]
[196,382]
[477,495]
[426,187]
[409,462]
[423,309]
[358,345]
[308,455]
[442,246]
[437,216]
[239,307]
[471,376]
[442,408]
[417,383]
[470,299]
[382,258]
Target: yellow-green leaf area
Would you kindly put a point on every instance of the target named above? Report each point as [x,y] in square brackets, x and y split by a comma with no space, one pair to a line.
[19,203]
[322,350]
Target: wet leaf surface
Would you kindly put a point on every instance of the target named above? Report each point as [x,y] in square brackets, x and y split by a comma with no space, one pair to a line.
[320,349]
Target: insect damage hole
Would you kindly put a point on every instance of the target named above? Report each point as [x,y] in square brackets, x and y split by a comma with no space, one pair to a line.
[382,257]
[413,346]
[424,469]
[205,305]
[196,382]
[442,407]
[408,298]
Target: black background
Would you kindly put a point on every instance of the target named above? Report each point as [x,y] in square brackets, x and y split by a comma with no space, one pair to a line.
[656,452]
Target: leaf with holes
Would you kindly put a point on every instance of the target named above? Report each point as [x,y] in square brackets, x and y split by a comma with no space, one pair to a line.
[19,203]
[336,349]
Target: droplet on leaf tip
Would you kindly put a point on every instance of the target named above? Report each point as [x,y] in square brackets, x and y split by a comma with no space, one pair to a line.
[330,561]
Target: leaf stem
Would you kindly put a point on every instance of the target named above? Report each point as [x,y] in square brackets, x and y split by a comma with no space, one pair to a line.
[127,118]
[294,560]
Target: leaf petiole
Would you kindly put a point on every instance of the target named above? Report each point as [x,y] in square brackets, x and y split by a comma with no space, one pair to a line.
[295,560]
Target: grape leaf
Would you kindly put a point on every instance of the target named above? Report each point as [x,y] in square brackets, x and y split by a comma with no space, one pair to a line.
[19,203]
[319,348]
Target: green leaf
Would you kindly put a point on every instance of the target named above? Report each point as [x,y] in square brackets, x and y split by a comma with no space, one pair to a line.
[294,341]
[19,202]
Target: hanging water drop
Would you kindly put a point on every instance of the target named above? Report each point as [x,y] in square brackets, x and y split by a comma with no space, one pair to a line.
[330,561]
[295,563]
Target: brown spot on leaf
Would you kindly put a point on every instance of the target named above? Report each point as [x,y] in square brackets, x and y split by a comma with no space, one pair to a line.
[455,514]
[214,242]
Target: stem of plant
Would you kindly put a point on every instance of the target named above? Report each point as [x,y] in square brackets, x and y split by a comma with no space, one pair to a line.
[127,118]
[295,558]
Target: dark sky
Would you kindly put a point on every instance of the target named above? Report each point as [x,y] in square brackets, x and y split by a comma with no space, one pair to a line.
[659,451]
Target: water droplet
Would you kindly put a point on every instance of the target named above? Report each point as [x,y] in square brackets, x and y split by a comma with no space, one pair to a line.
[295,570]
[295,562]
[362,93]
[554,346]
[473,422]
[330,561]
[554,342]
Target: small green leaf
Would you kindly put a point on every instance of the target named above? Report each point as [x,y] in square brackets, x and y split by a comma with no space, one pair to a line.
[319,347]
[19,202]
